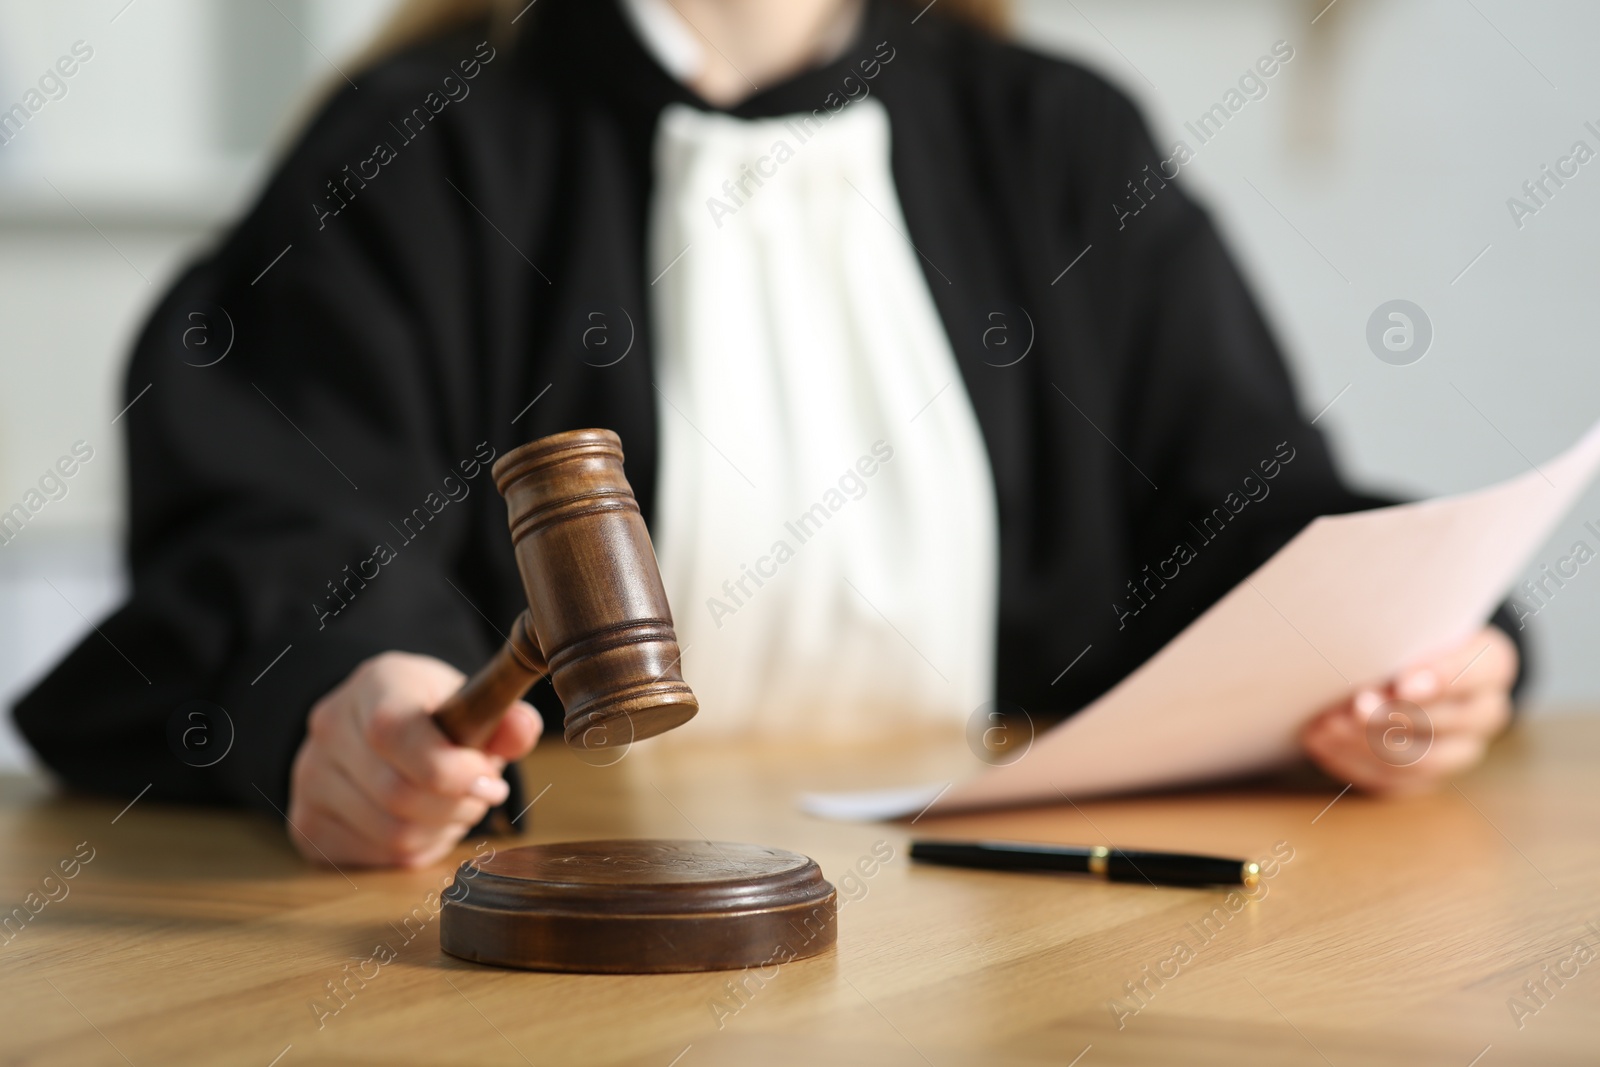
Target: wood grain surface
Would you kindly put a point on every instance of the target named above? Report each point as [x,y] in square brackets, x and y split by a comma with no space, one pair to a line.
[1400,932]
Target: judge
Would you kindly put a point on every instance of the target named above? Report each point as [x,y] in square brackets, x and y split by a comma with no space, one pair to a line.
[921,417]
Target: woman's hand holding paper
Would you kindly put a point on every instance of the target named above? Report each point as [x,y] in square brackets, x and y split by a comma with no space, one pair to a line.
[1432,721]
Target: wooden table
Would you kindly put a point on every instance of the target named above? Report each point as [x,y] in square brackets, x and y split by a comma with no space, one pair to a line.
[1397,933]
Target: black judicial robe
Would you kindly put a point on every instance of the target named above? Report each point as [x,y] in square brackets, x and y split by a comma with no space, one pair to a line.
[410,296]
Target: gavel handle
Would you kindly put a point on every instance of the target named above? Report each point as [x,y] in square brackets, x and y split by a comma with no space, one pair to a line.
[469,718]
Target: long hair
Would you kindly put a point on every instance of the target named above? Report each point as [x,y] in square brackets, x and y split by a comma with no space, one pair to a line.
[416,20]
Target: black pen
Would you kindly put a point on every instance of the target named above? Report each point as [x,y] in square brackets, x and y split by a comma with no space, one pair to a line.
[1112,864]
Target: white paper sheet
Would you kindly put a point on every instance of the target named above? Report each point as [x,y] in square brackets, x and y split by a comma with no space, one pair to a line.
[1350,601]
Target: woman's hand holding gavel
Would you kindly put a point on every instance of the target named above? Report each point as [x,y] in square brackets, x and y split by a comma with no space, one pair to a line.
[377,783]
[385,776]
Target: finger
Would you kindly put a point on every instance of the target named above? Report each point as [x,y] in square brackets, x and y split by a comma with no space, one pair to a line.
[325,839]
[1340,738]
[1365,704]
[1329,727]
[1344,749]
[1484,713]
[1481,714]
[319,834]
[335,791]
[338,845]
[1448,757]
[1352,762]
[384,839]
[412,743]
[394,793]
[1420,684]
[1351,759]
[1445,758]
[1347,722]
[516,733]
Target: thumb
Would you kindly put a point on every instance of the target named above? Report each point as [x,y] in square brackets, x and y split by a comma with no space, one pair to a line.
[514,737]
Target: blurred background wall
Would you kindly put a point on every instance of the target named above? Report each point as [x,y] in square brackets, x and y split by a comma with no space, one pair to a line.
[1376,167]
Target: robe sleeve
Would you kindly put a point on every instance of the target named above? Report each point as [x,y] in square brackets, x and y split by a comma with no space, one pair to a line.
[265,484]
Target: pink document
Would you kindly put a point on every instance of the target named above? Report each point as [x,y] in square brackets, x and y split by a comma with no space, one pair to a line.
[1350,601]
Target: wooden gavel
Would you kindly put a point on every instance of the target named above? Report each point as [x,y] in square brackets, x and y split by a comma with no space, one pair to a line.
[598,623]
[597,620]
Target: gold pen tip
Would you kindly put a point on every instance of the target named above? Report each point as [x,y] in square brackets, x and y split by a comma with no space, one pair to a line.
[1250,875]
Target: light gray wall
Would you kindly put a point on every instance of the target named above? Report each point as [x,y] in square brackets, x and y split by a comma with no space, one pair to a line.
[1376,167]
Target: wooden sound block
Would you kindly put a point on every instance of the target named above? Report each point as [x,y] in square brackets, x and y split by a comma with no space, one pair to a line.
[638,907]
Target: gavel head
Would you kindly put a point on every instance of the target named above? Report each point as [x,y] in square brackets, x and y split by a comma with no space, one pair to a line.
[595,597]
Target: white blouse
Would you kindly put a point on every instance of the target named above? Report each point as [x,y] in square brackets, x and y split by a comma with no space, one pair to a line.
[826,521]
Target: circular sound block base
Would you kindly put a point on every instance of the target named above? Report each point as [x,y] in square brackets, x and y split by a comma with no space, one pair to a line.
[638,907]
